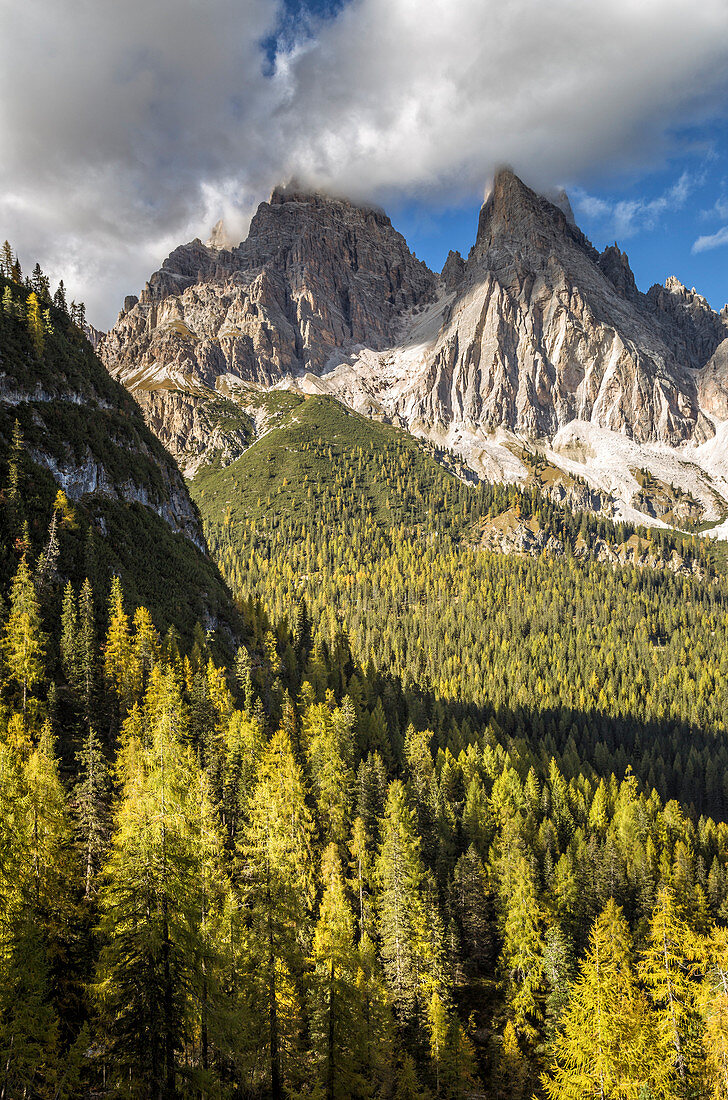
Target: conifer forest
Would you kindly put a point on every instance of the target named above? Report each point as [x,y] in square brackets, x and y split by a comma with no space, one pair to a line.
[355,806]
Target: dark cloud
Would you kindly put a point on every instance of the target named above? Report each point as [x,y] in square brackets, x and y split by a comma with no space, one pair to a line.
[125,128]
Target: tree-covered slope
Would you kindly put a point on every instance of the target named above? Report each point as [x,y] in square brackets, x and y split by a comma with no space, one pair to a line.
[302,876]
[65,424]
[613,662]
[320,455]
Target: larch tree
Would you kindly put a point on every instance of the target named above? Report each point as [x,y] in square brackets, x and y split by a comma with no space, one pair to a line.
[24,642]
[401,916]
[119,662]
[150,901]
[275,871]
[337,1014]
[713,1005]
[667,969]
[35,322]
[327,734]
[609,1045]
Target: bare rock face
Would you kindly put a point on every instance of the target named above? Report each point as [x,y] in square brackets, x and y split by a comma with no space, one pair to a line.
[535,330]
[546,330]
[713,383]
[314,274]
[692,329]
[453,271]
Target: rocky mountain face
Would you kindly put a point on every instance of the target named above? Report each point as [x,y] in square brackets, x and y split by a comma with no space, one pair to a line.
[313,276]
[538,329]
[534,331]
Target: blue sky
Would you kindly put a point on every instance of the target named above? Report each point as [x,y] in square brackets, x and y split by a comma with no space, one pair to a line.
[146,122]
[659,238]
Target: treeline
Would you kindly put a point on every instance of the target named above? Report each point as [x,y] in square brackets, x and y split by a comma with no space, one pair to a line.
[39,297]
[278,879]
[328,467]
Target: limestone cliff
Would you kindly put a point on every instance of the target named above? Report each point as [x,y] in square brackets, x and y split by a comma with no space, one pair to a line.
[536,330]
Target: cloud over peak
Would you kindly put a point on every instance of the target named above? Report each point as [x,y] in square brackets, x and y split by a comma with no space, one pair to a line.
[130,127]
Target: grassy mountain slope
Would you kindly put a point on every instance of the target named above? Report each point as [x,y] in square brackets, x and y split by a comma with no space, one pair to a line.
[320,460]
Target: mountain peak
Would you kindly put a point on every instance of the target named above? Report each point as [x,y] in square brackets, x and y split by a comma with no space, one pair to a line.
[294,191]
[512,210]
[615,265]
[219,239]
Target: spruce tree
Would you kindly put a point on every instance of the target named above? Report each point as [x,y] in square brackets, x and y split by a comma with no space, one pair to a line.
[91,797]
[87,655]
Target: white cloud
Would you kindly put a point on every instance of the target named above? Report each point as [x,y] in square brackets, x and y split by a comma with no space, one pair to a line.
[630,216]
[124,127]
[714,240]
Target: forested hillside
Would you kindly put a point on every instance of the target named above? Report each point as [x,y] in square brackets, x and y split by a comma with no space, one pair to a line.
[298,876]
[602,666]
[448,823]
[71,435]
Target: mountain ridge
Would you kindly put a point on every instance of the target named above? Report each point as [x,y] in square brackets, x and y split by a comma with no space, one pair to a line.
[534,331]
